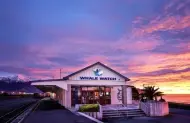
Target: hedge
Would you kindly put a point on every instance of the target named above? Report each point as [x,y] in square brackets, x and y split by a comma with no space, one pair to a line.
[89,108]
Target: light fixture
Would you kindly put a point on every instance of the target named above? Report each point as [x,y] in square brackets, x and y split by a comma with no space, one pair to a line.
[101,94]
[79,93]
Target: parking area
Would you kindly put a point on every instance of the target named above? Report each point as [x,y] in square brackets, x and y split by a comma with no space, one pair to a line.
[50,111]
[9,105]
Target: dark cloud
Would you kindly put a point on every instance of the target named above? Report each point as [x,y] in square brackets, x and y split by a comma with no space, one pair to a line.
[14,69]
[68,60]
[164,71]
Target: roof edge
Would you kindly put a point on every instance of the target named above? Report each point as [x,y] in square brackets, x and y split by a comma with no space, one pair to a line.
[72,74]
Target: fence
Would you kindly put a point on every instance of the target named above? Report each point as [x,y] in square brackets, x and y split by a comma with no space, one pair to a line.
[155,108]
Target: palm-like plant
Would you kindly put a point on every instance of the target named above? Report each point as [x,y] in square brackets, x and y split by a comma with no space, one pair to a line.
[151,93]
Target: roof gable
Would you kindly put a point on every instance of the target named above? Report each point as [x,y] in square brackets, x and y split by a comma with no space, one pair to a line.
[93,65]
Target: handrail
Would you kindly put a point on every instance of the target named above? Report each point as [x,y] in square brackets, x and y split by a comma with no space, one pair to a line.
[100,111]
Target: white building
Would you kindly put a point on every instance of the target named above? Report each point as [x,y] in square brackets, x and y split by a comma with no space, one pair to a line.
[96,83]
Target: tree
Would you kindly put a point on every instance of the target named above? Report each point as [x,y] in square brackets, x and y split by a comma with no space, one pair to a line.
[135,93]
[151,93]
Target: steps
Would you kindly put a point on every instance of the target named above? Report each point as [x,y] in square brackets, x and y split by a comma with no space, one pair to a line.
[123,113]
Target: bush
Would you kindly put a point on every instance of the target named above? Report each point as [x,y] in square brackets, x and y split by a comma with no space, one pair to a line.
[89,108]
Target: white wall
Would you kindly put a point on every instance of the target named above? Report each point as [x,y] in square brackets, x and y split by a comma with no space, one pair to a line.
[68,97]
[155,108]
[59,96]
[114,95]
[129,95]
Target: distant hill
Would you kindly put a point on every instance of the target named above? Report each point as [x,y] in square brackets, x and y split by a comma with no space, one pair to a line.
[18,86]
[16,78]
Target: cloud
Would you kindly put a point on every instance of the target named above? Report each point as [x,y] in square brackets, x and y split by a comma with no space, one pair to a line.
[162,70]
[149,44]
[174,17]
[136,44]
[146,63]
[169,83]
[165,24]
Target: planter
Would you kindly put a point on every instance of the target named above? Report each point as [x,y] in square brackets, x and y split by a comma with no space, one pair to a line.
[92,110]
[89,108]
[93,114]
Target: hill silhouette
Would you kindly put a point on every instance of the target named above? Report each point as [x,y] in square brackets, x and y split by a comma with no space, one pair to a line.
[18,86]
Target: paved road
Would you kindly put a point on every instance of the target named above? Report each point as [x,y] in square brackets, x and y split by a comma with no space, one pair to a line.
[180,112]
[8,105]
[176,116]
[45,114]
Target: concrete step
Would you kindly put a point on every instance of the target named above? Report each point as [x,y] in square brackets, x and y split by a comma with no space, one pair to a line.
[123,113]
[122,110]
[134,113]
[111,116]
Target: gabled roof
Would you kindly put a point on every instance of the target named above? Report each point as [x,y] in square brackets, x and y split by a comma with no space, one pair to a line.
[97,63]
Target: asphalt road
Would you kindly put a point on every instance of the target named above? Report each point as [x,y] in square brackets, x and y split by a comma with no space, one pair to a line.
[50,112]
[9,105]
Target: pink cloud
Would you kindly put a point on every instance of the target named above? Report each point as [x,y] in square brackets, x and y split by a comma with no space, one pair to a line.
[138,20]
[140,45]
[165,24]
[135,43]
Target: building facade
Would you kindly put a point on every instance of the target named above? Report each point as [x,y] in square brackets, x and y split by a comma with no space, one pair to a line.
[96,83]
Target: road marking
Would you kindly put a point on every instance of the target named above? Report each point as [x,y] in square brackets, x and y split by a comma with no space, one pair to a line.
[12,111]
[37,105]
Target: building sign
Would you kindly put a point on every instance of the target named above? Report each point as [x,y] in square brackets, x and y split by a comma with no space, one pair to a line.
[98,73]
[97,78]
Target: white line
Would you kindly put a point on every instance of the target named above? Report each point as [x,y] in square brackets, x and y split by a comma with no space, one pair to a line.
[12,111]
[25,113]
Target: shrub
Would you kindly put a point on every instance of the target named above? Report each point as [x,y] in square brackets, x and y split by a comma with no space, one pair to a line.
[89,108]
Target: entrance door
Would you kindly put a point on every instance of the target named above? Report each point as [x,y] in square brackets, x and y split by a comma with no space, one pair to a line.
[91,95]
[105,95]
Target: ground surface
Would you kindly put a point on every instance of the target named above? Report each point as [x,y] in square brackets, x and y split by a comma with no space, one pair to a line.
[9,105]
[176,116]
[49,112]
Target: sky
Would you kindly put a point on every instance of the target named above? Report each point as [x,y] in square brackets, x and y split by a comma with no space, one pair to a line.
[148,41]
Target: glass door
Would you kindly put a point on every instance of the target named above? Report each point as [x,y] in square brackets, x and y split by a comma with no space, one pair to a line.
[90,95]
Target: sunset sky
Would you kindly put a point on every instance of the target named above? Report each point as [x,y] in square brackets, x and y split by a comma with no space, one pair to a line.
[146,40]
